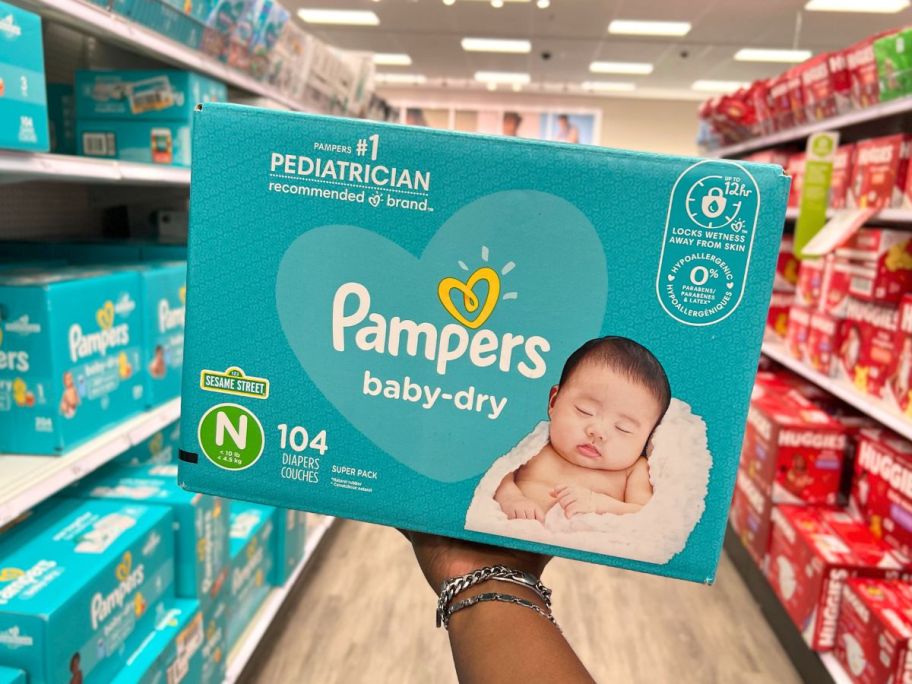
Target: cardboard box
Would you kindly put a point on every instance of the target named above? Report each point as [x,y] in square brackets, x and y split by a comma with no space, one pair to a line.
[786,266]
[819,95]
[750,517]
[777,318]
[841,178]
[159,448]
[69,357]
[148,142]
[862,67]
[813,552]
[156,95]
[201,522]
[345,444]
[164,295]
[780,102]
[900,382]
[893,55]
[796,94]
[61,118]
[882,264]
[867,348]
[251,564]
[795,169]
[882,487]
[23,100]
[837,279]
[796,334]
[168,19]
[823,342]
[793,450]
[290,532]
[879,173]
[810,283]
[215,617]
[77,578]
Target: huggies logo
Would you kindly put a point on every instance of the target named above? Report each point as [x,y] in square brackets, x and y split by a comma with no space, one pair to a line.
[108,337]
[352,307]
[168,318]
[130,579]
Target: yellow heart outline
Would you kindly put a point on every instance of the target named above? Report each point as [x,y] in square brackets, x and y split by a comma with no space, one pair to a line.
[470,299]
[105,315]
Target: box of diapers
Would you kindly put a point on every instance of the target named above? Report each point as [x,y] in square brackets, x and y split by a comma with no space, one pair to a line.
[541,346]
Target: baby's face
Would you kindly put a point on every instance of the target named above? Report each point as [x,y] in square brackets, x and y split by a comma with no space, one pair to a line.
[601,419]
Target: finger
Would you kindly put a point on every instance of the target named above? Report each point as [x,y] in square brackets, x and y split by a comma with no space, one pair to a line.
[556,492]
[568,498]
[539,515]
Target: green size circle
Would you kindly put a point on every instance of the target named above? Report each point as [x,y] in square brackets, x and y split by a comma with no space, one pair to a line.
[823,145]
[229,455]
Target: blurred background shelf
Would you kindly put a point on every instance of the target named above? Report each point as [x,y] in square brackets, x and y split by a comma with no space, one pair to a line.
[29,166]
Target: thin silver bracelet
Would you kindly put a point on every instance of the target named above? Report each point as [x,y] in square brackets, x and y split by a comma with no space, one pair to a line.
[496,596]
[449,588]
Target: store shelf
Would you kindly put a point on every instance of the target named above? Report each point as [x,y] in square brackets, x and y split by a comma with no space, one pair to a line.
[251,637]
[893,216]
[878,410]
[29,480]
[111,27]
[880,111]
[811,666]
[24,166]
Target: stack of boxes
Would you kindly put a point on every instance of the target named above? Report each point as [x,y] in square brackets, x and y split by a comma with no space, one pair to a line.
[140,116]
[23,101]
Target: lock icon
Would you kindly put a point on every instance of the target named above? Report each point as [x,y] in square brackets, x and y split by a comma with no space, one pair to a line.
[714,203]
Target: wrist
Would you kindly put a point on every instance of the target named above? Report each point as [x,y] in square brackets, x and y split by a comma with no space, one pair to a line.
[463,618]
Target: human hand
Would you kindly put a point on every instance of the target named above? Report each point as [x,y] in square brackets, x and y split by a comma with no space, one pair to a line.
[522,508]
[575,499]
[441,558]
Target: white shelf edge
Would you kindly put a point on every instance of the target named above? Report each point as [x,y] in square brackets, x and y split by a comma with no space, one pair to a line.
[875,408]
[879,111]
[50,474]
[833,666]
[250,639]
[105,24]
[882,216]
[21,166]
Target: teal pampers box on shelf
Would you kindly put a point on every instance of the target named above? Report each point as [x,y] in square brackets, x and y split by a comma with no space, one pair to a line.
[148,142]
[543,346]
[9,675]
[61,118]
[23,100]
[172,652]
[159,448]
[251,564]
[158,95]
[290,536]
[70,356]
[201,522]
[164,293]
[76,579]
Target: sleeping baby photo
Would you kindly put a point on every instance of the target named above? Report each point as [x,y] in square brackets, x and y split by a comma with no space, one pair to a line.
[619,466]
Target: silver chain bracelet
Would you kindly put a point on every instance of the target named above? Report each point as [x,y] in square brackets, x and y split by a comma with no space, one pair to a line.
[449,588]
[496,596]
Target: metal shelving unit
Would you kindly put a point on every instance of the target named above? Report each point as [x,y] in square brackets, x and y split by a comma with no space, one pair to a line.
[28,166]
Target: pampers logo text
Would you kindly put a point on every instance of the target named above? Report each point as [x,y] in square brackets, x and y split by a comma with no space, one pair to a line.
[108,337]
[130,580]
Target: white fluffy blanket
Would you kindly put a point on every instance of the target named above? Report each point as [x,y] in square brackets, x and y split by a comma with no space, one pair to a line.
[679,465]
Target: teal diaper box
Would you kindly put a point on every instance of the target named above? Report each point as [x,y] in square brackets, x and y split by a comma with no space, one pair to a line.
[70,356]
[23,100]
[251,564]
[149,142]
[76,580]
[164,294]
[215,618]
[201,521]
[290,535]
[163,94]
[543,346]
[171,652]
[8,675]
[159,448]
[61,118]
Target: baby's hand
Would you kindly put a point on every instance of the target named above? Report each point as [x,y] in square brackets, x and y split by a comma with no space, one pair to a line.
[523,509]
[575,499]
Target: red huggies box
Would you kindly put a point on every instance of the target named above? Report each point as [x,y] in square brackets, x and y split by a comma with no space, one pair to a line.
[879,173]
[840,80]
[777,318]
[796,94]
[786,266]
[823,341]
[810,282]
[842,175]
[780,102]
[862,68]
[817,84]
[867,346]
[795,169]
[882,261]
[874,631]
[750,517]
[796,334]
[813,552]
[837,275]
[900,382]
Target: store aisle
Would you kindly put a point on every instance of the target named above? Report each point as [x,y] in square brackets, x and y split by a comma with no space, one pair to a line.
[365,614]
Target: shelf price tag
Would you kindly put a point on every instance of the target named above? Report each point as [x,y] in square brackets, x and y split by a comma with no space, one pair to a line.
[815,193]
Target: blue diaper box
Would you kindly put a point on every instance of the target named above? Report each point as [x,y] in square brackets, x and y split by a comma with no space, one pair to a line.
[77,578]
[149,142]
[201,522]
[168,19]
[290,536]
[171,652]
[9,675]
[542,346]
[251,564]
[144,95]
[61,118]
[70,356]
[23,100]
[215,616]
[159,448]
[164,293]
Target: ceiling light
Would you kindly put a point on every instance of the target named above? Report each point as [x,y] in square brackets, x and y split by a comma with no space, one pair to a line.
[607,86]
[497,3]
[496,45]
[649,28]
[620,68]
[502,77]
[449,2]
[400,79]
[392,59]
[331,16]
[717,86]
[543,4]
[492,86]
[766,55]
[516,87]
[868,6]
